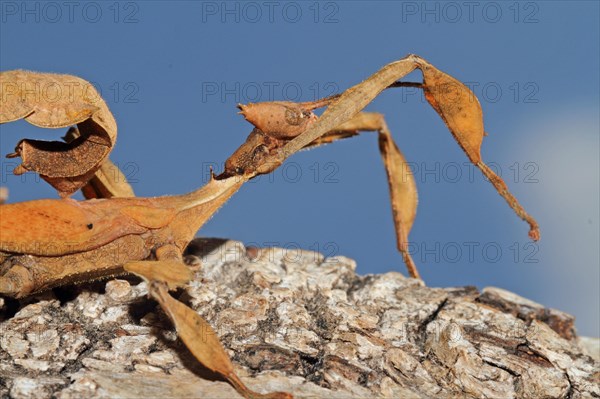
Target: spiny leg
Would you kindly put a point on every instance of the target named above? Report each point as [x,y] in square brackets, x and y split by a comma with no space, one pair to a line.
[456,104]
[168,273]
[108,181]
[284,128]
[403,189]
[17,281]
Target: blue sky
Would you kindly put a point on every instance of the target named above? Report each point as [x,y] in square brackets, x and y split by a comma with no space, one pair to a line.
[172,73]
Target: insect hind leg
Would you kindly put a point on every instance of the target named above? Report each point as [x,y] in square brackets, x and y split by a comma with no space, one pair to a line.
[16,282]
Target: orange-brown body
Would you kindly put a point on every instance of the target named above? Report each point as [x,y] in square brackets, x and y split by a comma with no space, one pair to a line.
[46,243]
[62,241]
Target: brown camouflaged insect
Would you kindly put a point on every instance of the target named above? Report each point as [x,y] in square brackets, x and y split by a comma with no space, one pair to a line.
[51,242]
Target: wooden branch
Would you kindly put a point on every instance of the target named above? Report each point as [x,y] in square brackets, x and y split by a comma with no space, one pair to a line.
[297,322]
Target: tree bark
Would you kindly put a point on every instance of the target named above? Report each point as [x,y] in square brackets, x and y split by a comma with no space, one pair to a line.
[299,322]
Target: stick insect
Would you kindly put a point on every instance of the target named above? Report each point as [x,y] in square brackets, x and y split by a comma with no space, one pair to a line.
[51,242]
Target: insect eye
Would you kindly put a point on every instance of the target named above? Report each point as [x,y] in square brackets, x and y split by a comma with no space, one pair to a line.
[293,117]
[260,151]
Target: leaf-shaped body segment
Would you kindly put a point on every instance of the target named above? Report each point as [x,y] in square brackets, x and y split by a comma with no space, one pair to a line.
[54,101]
[459,108]
[58,227]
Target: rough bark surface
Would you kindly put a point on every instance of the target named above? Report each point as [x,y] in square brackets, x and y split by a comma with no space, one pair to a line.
[294,321]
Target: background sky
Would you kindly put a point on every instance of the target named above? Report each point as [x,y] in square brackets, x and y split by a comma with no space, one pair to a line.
[172,73]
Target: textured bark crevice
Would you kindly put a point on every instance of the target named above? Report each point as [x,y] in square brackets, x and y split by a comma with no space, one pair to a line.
[295,321]
[428,320]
